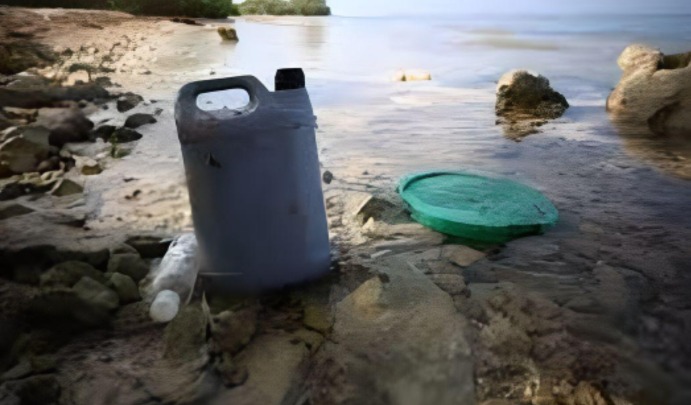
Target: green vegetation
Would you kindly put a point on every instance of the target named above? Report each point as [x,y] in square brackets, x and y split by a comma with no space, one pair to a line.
[186,8]
[283,7]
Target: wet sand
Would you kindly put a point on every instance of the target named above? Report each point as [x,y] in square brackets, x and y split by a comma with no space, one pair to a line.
[596,309]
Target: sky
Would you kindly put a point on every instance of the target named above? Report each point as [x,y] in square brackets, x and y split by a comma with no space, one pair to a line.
[395,7]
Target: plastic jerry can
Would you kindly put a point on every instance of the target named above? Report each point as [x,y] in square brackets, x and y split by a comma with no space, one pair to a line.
[254,187]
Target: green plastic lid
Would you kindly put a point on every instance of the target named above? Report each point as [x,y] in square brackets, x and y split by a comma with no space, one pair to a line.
[476,207]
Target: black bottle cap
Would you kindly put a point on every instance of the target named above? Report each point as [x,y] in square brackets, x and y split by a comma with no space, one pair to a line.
[289,79]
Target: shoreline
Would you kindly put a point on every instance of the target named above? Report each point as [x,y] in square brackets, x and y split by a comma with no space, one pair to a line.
[545,317]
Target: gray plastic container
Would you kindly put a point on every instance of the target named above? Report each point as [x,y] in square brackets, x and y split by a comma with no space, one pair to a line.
[254,186]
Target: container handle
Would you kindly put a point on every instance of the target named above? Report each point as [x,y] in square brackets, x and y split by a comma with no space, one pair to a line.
[186,101]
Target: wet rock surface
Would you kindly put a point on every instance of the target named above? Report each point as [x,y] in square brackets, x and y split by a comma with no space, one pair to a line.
[525,101]
[654,93]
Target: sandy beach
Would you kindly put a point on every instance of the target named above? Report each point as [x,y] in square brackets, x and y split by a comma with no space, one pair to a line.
[595,311]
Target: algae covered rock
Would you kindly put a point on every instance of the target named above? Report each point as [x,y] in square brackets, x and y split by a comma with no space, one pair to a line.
[69,273]
[228,34]
[521,92]
[125,287]
[129,264]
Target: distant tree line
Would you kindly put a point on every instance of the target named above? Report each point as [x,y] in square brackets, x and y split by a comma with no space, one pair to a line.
[283,7]
[189,8]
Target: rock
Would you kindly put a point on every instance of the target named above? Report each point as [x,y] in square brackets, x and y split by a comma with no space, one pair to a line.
[149,247]
[128,264]
[9,133]
[232,330]
[185,336]
[327,177]
[123,248]
[128,101]
[66,187]
[228,34]
[96,294]
[5,122]
[124,135]
[49,165]
[23,154]
[139,119]
[65,125]
[452,284]
[410,75]
[68,273]
[654,93]
[522,94]
[317,317]
[13,210]
[416,349]
[38,95]
[87,166]
[461,255]
[39,389]
[103,132]
[232,374]
[125,287]
[61,304]
[87,149]
[20,370]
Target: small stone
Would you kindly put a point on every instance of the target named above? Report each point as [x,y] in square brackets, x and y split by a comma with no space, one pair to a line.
[327,177]
[139,119]
[87,149]
[49,165]
[96,294]
[87,166]
[128,101]
[318,318]
[65,125]
[125,287]
[66,187]
[461,255]
[103,132]
[128,264]
[123,248]
[21,155]
[228,34]
[232,330]
[69,273]
[124,135]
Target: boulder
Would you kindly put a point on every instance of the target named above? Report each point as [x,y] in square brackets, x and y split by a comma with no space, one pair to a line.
[654,93]
[23,153]
[125,287]
[67,274]
[128,264]
[139,119]
[520,93]
[65,125]
[411,75]
[128,101]
[124,135]
[103,132]
[228,34]
[96,294]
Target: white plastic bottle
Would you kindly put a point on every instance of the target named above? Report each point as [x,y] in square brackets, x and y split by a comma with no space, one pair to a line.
[173,282]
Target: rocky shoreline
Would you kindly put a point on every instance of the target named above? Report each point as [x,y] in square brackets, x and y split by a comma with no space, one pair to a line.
[405,315]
